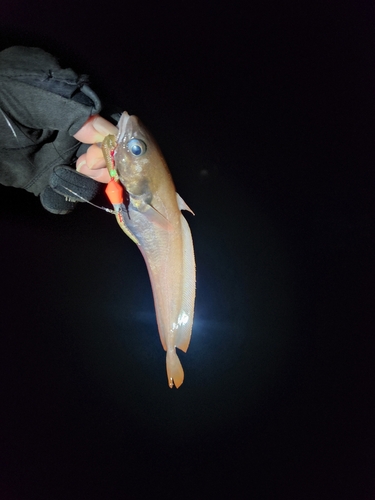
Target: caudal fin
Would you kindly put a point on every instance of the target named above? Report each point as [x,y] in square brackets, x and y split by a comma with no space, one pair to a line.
[175,372]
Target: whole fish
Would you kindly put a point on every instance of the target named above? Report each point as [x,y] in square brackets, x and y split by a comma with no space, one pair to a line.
[151,216]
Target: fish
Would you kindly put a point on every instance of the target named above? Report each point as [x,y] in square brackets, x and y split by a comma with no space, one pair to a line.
[150,214]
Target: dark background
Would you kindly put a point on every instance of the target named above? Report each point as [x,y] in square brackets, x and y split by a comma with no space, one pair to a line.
[264,111]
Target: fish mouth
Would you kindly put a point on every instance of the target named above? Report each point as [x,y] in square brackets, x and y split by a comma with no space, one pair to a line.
[122,126]
[128,127]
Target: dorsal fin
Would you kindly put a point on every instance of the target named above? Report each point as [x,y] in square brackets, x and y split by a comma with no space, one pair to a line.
[182,205]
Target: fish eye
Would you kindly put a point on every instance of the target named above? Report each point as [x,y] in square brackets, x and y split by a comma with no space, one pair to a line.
[136,147]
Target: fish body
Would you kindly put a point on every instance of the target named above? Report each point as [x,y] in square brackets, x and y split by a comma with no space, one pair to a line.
[152,219]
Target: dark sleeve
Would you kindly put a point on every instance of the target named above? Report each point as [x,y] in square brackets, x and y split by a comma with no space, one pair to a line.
[41,107]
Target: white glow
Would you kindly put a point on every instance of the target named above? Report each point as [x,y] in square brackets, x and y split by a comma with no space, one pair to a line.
[183,318]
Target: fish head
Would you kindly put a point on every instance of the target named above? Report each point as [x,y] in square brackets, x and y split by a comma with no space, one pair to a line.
[138,159]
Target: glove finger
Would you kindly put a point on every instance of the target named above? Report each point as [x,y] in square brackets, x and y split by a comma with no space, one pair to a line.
[56,203]
[73,185]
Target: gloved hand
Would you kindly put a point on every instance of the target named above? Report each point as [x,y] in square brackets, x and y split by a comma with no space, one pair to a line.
[44,112]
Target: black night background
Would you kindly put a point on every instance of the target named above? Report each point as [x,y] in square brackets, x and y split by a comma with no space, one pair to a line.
[265,114]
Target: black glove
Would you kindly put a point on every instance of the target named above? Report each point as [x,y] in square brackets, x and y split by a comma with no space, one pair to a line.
[41,107]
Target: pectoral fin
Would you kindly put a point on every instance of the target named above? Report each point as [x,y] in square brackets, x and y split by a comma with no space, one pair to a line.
[156,217]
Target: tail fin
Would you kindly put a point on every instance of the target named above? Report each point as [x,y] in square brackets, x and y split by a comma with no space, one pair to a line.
[175,373]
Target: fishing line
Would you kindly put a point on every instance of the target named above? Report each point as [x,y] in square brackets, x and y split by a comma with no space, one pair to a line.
[109,210]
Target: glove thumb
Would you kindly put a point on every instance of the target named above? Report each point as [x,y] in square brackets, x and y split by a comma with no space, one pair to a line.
[66,188]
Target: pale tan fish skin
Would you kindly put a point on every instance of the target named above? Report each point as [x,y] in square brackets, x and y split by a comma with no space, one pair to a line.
[154,221]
